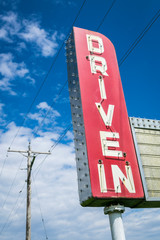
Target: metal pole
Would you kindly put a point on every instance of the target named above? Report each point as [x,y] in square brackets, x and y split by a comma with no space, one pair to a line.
[28,210]
[116,223]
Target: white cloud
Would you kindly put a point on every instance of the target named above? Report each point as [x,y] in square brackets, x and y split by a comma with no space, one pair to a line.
[56,36]
[12,4]
[10,18]
[46,116]
[29,31]
[5,85]
[33,33]
[21,46]
[2,115]
[24,34]
[65,3]
[56,185]
[62,36]
[7,66]
[9,70]
[31,80]
[4,35]
[1,107]
[43,105]
[11,26]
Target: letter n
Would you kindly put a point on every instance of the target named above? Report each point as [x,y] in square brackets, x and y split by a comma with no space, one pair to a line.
[127,181]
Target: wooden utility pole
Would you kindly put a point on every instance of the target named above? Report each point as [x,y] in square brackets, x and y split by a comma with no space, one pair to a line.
[31,155]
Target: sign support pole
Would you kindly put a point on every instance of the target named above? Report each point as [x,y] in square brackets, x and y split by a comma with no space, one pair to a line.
[115,219]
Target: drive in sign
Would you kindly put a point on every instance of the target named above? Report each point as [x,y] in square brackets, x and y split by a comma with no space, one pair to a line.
[107,165]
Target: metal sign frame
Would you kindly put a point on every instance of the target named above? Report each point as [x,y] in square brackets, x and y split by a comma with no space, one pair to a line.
[84,185]
[144,124]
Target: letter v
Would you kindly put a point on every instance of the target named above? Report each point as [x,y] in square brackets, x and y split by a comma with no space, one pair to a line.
[107,119]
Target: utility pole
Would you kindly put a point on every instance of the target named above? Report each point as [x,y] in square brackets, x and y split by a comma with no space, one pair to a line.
[31,155]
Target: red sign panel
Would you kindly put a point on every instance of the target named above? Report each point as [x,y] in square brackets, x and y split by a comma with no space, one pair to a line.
[112,161]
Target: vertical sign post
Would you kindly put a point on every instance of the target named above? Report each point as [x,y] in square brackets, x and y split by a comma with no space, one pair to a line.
[116,223]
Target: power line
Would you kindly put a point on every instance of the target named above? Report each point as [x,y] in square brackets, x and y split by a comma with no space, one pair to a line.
[25,117]
[55,59]
[16,203]
[4,162]
[60,138]
[42,218]
[42,84]
[126,54]
[12,184]
[45,78]
[121,60]
[50,108]
[54,145]
[106,14]
[66,80]
[13,210]
[139,38]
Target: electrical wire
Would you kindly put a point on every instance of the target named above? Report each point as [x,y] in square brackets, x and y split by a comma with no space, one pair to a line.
[10,219]
[12,184]
[42,84]
[106,14]
[4,162]
[55,59]
[42,218]
[15,208]
[60,138]
[139,38]
[129,50]
[45,78]
[50,108]
[66,80]
[25,117]
[54,146]
[122,59]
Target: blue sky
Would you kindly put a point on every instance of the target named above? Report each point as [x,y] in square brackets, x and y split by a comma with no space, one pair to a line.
[31,35]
